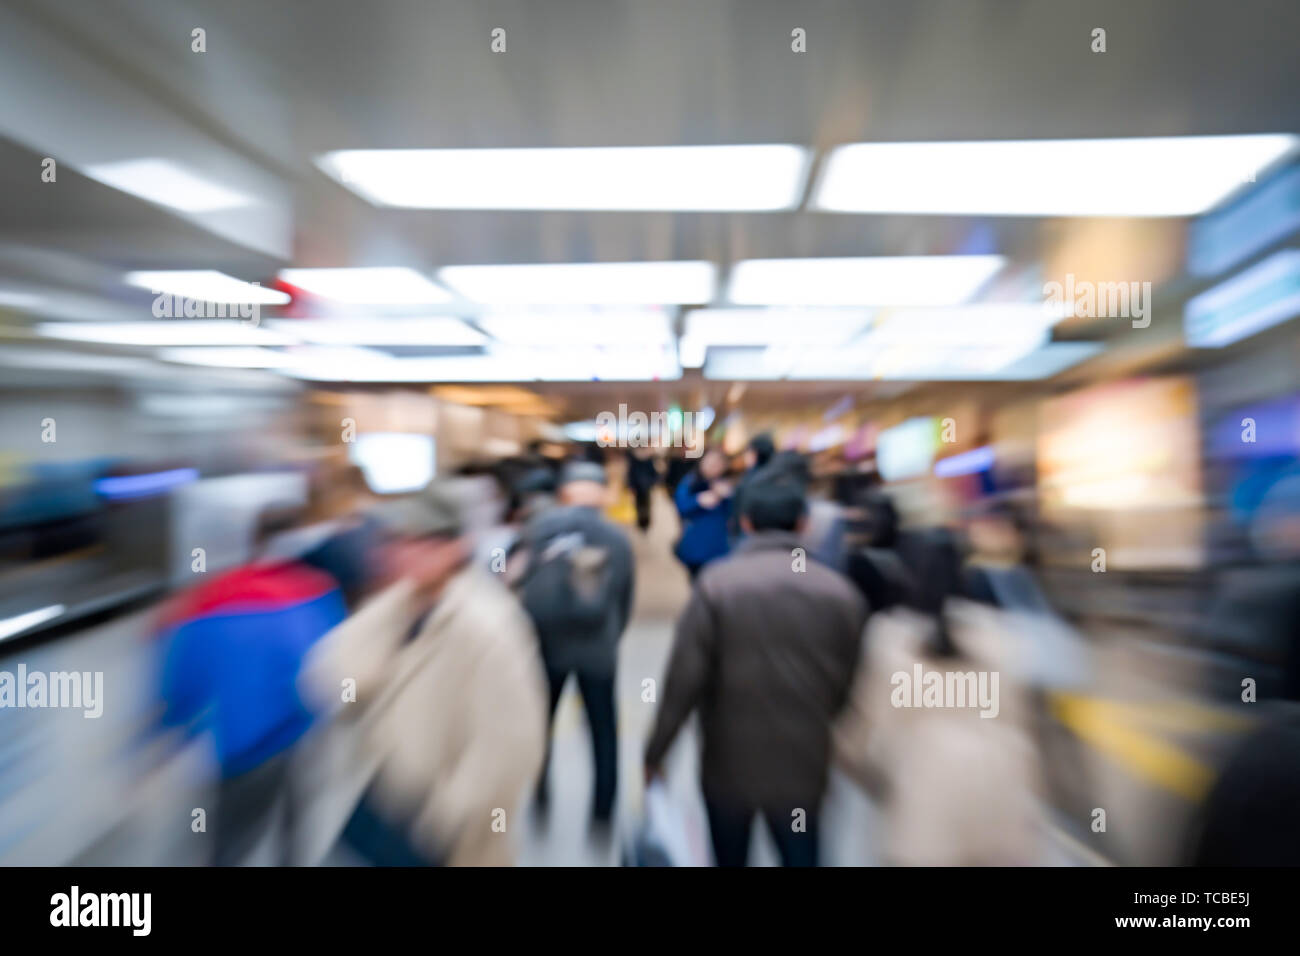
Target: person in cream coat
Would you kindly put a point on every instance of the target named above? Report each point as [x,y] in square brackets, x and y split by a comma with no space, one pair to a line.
[440,698]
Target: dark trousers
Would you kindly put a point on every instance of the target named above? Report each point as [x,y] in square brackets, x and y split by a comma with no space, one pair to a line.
[598,701]
[729,827]
[251,805]
[642,496]
[380,841]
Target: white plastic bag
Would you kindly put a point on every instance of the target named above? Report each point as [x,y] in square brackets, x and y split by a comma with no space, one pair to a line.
[666,837]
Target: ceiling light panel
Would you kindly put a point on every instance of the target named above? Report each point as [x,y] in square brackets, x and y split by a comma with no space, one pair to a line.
[167,184]
[379,285]
[684,178]
[875,281]
[585,283]
[1148,176]
[206,285]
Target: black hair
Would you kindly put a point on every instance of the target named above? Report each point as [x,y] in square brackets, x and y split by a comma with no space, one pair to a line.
[774,502]
[791,465]
[536,481]
[882,519]
[763,448]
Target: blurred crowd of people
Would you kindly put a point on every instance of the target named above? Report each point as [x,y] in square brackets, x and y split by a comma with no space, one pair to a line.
[384,673]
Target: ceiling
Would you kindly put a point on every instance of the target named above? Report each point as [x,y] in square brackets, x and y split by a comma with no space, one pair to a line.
[282,82]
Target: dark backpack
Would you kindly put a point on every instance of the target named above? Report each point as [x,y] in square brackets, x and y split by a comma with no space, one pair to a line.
[568,588]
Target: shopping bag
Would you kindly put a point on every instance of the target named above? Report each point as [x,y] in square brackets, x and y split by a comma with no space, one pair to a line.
[665,837]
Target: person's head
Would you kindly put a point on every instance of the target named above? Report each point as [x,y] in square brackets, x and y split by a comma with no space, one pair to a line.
[760,451]
[424,543]
[533,491]
[773,502]
[713,464]
[583,485]
[792,465]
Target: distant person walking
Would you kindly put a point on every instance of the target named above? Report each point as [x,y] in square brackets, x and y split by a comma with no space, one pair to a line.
[577,587]
[704,501]
[642,476]
[758,455]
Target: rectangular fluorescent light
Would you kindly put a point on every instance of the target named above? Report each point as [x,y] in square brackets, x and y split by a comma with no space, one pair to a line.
[684,178]
[964,326]
[164,332]
[909,362]
[551,328]
[381,285]
[249,356]
[167,184]
[585,283]
[13,626]
[206,285]
[896,363]
[1147,176]
[878,281]
[1265,295]
[505,364]
[427,330]
[765,326]
[761,327]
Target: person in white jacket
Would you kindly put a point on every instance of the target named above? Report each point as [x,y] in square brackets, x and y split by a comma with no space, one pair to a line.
[936,730]
[441,702]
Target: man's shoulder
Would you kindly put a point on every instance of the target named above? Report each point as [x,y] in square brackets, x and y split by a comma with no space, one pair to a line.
[765,571]
[597,527]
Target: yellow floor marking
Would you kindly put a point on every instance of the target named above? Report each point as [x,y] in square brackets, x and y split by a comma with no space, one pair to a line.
[1105,726]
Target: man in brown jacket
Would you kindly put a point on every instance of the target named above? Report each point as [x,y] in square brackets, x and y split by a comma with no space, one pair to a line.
[766,649]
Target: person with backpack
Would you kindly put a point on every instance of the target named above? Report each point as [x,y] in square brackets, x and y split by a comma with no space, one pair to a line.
[577,588]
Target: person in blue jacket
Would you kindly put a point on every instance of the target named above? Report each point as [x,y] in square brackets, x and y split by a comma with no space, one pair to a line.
[232,649]
[704,500]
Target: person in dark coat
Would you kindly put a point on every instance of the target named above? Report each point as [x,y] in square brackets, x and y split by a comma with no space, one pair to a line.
[642,476]
[766,652]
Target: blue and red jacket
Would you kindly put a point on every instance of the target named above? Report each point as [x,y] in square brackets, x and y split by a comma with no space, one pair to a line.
[233,650]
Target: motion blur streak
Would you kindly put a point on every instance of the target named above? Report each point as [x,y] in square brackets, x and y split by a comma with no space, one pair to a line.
[565,434]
